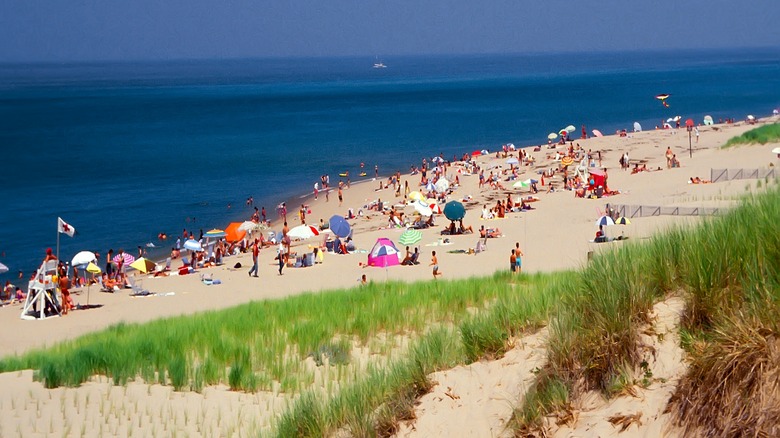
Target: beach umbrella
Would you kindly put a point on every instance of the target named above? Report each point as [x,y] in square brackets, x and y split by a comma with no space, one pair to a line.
[484,152]
[233,234]
[3,268]
[441,185]
[604,220]
[416,196]
[410,237]
[776,151]
[303,232]
[552,136]
[429,187]
[92,269]
[339,226]
[144,265]
[434,207]
[248,226]
[569,129]
[708,120]
[83,258]
[689,123]
[512,161]
[567,161]
[437,159]
[125,258]
[192,245]
[476,153]
[563,132]
[214,234]
[521,184]
[751,117]
[597,133]
[622,220]
[637,127]
[454,210]
[596,171]
[423,208]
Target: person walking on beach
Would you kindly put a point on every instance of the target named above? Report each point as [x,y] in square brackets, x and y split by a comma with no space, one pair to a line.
[435,264]
[518,258]
[262,213]
[512,262]
[281,256]
[341,195]
[255,254]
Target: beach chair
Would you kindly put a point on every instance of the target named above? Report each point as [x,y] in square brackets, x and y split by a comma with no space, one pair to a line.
[138,290]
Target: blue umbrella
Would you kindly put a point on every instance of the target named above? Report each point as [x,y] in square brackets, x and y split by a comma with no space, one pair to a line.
[604,221]
[192,245]
[339,226]
[454,210]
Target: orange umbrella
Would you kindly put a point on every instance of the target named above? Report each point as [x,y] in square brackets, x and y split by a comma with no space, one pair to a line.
[233,234]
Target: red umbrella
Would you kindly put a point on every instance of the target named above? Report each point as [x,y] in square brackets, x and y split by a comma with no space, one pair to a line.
[689,123]
[475,153]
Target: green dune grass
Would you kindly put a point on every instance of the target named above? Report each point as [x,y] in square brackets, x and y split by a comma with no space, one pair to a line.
[761,135]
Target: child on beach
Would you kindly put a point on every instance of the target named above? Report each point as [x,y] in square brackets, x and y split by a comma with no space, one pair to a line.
[435,264]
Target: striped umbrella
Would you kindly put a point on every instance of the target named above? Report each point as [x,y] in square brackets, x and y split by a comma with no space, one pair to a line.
[127,258]
[623,221]
[605,220]
[410,237]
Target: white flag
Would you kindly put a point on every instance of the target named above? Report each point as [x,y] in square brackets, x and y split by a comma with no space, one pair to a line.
[63,227]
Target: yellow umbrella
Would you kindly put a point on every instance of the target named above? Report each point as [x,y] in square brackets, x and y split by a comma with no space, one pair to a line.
[93,269]
[416,196]
[144,265]
[567,161]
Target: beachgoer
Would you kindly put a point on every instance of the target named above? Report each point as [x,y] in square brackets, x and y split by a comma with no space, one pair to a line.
[262,214]
[67,302]
[341,195]
[518,258]
[255,254]
[363,279]
[280,251]
[512,262]
[49,255]
[435,264]
[669,155]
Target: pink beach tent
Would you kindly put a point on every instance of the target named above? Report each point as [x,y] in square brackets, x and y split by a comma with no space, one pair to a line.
[383,254]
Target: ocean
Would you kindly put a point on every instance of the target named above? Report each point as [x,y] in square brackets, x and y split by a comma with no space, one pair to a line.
[124,151]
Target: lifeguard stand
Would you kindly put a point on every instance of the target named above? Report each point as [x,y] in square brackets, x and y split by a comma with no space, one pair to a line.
[42,291]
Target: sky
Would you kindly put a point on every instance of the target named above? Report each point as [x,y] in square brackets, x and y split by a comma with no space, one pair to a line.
[120,30]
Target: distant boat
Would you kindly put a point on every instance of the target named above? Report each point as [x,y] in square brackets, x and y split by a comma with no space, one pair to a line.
[379,64]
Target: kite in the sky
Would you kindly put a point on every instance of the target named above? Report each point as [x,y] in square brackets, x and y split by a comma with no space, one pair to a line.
[662,98]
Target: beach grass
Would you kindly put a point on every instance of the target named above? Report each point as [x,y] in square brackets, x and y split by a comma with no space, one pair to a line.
[726,270]
[761,135]
[263,345]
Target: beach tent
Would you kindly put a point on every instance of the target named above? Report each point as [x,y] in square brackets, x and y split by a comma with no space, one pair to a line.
[708,120]
[637,127]
[383,254]
[233,233]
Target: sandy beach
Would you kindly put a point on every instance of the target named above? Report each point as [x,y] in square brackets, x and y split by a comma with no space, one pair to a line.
[556,234]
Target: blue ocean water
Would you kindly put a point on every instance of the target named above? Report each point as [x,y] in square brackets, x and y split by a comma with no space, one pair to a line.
[123,151]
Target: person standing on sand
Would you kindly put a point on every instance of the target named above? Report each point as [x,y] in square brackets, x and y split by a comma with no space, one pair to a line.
[518,258]
[262,213]
[512,262]
[341,195]
[255,254]
[435,264]
[669,155]
[376,171]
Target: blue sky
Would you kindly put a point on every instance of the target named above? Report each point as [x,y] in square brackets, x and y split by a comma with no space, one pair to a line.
[84,30]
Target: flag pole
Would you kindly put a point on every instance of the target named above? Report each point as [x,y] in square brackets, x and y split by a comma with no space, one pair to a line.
[58,240]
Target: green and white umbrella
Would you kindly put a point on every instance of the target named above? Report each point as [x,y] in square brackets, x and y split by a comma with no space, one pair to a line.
[410,237]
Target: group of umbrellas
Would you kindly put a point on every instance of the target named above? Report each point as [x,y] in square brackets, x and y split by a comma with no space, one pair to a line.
[563,132]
